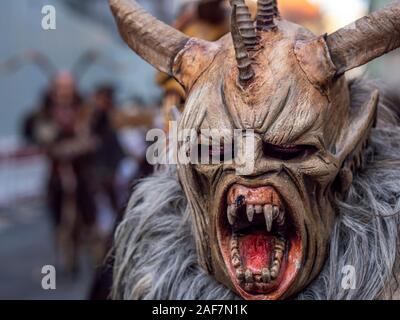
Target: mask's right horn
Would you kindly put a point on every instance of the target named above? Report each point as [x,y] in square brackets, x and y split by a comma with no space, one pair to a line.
[365,39]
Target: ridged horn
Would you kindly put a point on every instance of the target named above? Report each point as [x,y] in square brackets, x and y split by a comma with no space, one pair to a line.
[245,24]
[153,40]
[266,11]
[246,71]
[366,39]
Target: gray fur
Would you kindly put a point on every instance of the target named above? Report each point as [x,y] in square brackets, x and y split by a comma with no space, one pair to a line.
[155,248]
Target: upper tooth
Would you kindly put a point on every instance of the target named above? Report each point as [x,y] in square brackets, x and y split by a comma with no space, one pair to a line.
[258,208]
[250,212]
[231,214]
[268,216]
[276,212]
[281,218]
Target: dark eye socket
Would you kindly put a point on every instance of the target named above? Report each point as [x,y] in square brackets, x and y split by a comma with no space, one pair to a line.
[288,152]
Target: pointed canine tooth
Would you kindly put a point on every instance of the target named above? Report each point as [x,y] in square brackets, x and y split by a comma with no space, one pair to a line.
[250,212]
[268,216]
[258,208]
[266,275]
[231,214]
[249,276]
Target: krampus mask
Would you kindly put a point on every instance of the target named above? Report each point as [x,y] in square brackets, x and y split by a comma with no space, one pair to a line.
[265,234]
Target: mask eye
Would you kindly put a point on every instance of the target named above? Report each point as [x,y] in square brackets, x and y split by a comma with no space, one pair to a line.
[288,152]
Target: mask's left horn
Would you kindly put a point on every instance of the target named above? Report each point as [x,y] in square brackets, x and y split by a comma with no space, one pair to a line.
[164,47]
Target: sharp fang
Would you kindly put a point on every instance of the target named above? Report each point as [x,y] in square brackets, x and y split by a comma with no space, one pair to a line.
[250,212]
[268,216]
[231,214]
[258,208]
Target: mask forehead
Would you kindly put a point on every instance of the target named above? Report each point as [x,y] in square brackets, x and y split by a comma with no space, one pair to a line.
[281,103]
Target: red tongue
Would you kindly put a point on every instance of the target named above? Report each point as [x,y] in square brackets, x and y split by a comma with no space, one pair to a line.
[255,249]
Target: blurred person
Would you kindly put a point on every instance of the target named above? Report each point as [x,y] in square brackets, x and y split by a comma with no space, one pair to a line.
[62,131]
[108,153]
[128,129]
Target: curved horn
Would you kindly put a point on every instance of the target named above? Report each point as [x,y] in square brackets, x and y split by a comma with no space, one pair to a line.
[266,11]
[246,71]
[366,39]
[245,24]
[152,39]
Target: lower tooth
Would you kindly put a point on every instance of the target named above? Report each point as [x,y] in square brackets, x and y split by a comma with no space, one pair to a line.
[240,274]
[231,214]
[234,252]
[236,262]
[278,255]
[249,276]
[249,286]
[274,271]
[280,245]
[266,275]
[234,241]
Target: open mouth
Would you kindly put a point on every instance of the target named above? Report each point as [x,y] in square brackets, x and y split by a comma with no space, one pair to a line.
[259,241]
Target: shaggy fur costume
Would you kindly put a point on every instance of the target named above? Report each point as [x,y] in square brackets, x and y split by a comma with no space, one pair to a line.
[155,248]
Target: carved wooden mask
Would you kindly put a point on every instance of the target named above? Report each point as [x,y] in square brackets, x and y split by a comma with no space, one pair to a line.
[265,234]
